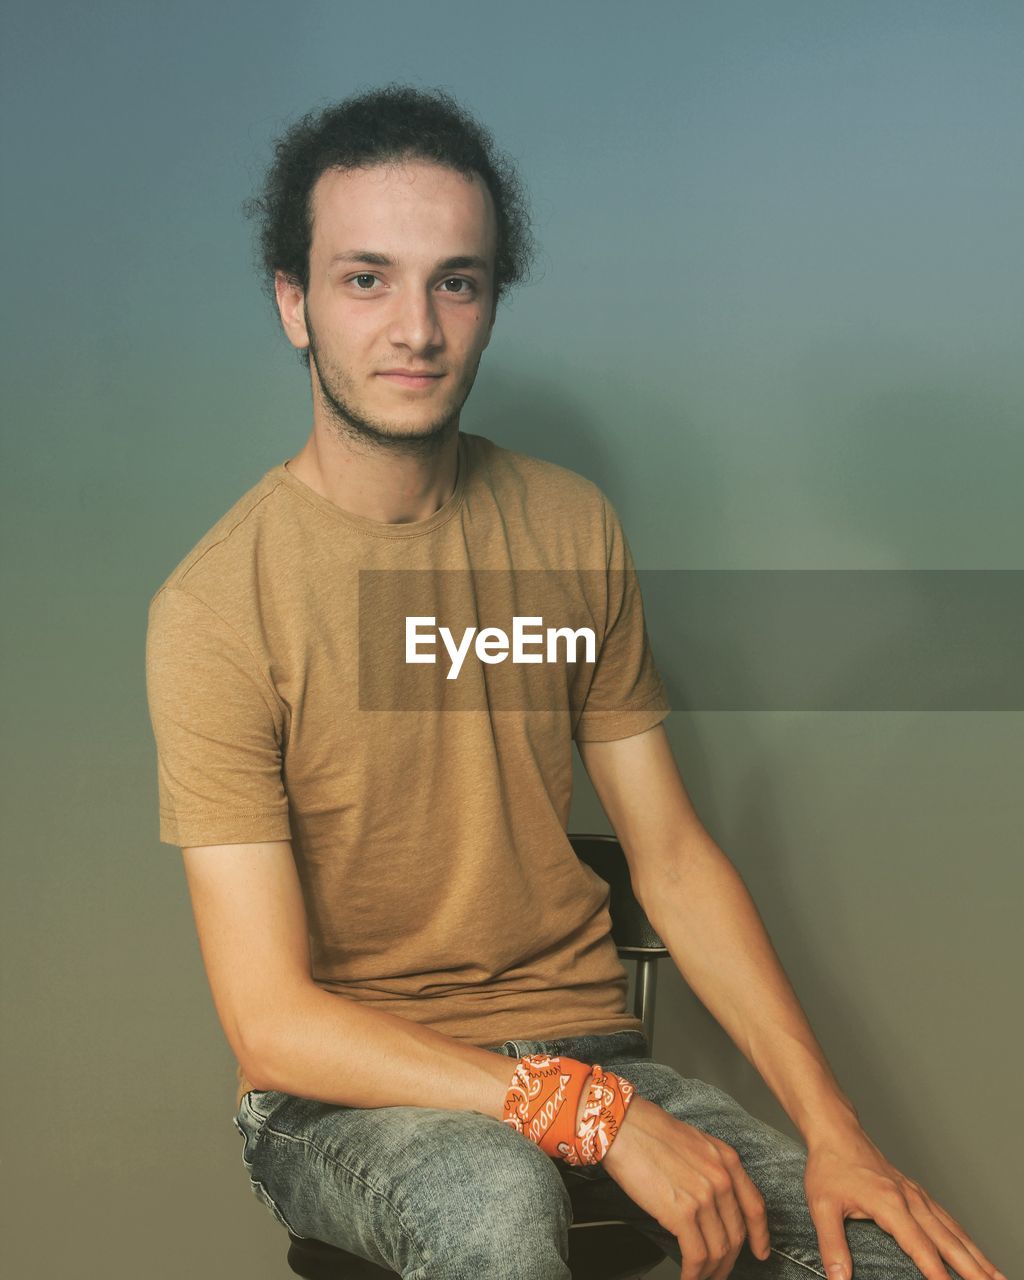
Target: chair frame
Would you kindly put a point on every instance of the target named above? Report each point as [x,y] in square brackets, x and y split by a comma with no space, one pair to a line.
[610,1248]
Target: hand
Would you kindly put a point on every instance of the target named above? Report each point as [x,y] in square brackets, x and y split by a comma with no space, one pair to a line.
[693,1184]
[846,1176]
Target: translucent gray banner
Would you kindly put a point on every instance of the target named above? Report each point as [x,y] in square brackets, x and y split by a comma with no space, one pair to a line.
[838,639]
[722,640]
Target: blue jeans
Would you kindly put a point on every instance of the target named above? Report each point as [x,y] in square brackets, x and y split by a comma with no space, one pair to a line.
[436,1194]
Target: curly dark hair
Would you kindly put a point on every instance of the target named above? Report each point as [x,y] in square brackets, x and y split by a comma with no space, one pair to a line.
[382,126]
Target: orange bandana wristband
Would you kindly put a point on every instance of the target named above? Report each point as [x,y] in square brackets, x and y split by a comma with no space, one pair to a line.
[543,1100]
[603,1114]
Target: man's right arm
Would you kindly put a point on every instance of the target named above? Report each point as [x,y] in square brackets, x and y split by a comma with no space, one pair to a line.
[288,1033]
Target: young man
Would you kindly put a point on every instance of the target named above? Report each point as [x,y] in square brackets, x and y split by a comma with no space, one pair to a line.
[388,906]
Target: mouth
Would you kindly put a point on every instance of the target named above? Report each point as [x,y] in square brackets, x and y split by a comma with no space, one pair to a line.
[412,379]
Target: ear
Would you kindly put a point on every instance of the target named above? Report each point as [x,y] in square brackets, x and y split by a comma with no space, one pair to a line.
[291,306]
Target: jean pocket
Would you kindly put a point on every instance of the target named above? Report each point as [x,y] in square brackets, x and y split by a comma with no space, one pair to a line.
[265,1198]
[249,1122]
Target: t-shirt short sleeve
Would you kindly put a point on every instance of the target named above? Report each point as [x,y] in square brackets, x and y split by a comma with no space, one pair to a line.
[626,695]
[218,728]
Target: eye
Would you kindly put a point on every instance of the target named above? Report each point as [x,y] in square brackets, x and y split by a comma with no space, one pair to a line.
[470,286]
[364,275]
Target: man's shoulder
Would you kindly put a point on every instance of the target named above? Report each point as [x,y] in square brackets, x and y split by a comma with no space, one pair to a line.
[223,558]
[545,482]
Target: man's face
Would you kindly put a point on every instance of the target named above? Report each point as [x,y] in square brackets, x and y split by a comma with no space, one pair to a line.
[400,277]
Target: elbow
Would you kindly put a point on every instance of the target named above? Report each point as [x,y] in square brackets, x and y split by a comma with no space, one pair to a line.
[254,1064]
[257,1078]
[268,1039]
[255,1049]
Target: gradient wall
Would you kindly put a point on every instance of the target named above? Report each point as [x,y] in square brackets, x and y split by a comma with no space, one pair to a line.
[776,316]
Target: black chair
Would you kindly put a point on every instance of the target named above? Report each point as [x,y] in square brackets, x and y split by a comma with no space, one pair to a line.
[598,1249]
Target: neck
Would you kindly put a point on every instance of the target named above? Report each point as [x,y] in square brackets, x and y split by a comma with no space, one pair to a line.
[388,485]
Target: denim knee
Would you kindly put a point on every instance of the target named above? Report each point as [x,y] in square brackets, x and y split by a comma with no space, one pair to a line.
[490,1203]
[425,1192]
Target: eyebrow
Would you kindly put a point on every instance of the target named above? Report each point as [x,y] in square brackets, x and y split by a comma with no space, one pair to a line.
[458,263]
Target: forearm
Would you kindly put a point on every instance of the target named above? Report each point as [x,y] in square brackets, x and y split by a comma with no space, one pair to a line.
[714,933]
[333,1049]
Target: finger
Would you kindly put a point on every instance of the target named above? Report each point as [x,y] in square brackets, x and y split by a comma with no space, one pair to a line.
[716,1237]
[725,1172]
[911,1238]
[724,1268]
[958,1230]
[835,1252]
[694,1249]
[955,1245]
[733,1229]
[750,1203]
[735,1226]
[723,1175]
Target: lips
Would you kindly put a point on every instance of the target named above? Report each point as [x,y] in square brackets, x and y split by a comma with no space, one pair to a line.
[412,380]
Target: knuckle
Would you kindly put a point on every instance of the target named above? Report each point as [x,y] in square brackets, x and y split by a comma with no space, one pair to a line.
[685,1201]
[707,1195]
[893,1196]
[694,1255]
[729,1156]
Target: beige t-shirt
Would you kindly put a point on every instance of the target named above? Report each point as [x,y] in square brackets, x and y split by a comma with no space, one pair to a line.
[427,811]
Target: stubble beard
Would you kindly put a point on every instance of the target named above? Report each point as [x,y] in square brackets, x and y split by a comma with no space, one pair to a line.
[332,388]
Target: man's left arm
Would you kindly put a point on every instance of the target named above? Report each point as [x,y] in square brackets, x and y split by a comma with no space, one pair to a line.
[699,904]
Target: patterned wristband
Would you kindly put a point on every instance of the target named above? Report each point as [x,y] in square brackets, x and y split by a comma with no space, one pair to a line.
[603,1113]
[543,1099]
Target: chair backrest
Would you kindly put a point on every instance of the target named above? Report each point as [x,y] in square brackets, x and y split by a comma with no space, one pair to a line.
[632,932]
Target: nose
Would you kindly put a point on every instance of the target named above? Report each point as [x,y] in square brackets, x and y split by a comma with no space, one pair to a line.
[414,322]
